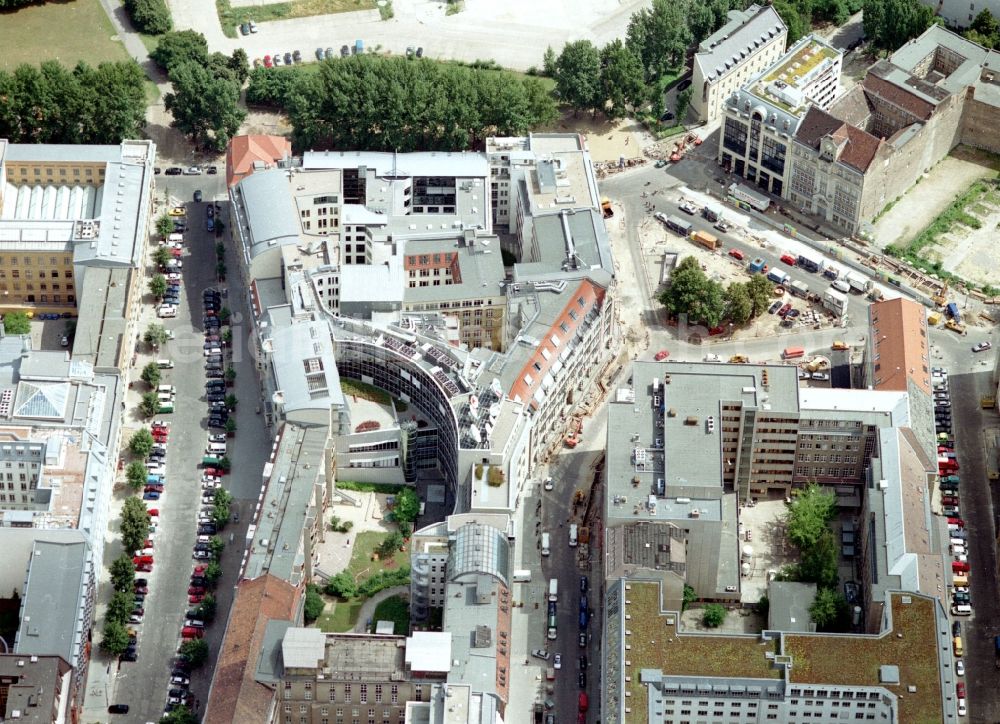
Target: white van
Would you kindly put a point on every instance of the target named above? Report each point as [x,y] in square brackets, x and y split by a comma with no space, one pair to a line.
[165,389]
[167,310]
[176,237]
[841,286]
[522,576]
[572,536]
[545,544]
[216,448]
[165,364]
[961,610]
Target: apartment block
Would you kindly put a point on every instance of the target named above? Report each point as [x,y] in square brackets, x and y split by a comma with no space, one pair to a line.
[34,689]
[750,42]
[762,117]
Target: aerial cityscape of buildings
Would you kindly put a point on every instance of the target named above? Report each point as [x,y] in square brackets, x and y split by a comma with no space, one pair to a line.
[449,323]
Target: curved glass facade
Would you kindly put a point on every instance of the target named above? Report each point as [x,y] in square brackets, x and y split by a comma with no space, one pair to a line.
[400,377]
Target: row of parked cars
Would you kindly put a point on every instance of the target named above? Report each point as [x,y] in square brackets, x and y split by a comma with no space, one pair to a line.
[948,482]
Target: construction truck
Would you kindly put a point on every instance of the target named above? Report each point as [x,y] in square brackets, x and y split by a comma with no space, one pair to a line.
[941,298]
[955,326]
[707,240]
[575,433]
[606,208]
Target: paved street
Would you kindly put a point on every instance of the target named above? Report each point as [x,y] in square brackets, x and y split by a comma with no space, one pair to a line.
[167,602]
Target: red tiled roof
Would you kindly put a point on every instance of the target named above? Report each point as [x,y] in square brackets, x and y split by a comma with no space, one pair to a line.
[244,151]
[900,348]
[235,696]
[547,353]
[861,146]
[894,94]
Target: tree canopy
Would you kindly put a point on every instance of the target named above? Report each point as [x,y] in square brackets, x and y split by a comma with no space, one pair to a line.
[890,23]
[828,609]
[660,36]
[134,524]
[385,104]
[407,506]
[16,323]
[578,75]
[52,104]
[809,514]
[149,16]
[205,106]
[692,293]
[141,442]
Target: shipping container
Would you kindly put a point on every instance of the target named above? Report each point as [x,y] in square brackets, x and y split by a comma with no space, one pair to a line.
[793,353]
[709,241]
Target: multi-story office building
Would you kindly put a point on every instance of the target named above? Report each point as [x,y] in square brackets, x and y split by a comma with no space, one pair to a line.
[67,212]
[655,671]
[750,42]
[852,158]
[761,118]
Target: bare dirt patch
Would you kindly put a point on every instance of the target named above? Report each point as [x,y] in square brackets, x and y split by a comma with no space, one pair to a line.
[607,140]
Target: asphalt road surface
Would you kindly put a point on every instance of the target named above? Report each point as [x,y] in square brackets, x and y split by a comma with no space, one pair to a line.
[143,684]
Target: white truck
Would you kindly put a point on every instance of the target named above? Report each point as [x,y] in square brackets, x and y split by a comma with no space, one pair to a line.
[858,283]
[835,301]
[572,535]
[545,544]
[522,576]
[553,589]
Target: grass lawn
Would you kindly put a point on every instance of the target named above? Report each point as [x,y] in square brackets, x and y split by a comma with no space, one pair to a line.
[339,616]
[361,559]
[231,17]
[395,609]
[67,32]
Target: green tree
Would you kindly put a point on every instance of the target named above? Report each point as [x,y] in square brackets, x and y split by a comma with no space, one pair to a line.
[195,652]
[660,36]
[155,335]
[158,286]
[114,640]
[225,315]
[150,404]
[405,529]
[818,562]
[179,715]
[141,443]
[622,80]
[177,48]
[122,573]
[227,336]
[230,426]
[794,19]
[986,24]
[809,515]
[230,374]
[221,507]
[761,292]
[390,545]
[342,586]
[134,525]
[151,374]
[225,463]
[683,103]
[714,615]
[161,256]
[16,323]
[204,107]
[407,506]
[692,293]
[165,225]
[213,572]
[314,604]
[890,23]
[739,306]
[208,606]
[689,597]
[239,64]
[578,75]
[828,609]
[269,87]
[120,606]
[216,546]
[136,475]
[231,401]
[549,59]
[149,16]
[113,102]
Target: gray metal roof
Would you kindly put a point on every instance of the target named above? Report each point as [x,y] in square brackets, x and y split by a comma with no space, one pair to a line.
[911,55]
[268,209]
[54,598]
[480,266]
[745,31]
[305,369]
[789,609]
[425,163]
[60,152]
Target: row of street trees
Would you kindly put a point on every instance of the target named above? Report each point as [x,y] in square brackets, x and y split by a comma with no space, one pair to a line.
[394,104]
[50,103]
[706,301]
[134,529]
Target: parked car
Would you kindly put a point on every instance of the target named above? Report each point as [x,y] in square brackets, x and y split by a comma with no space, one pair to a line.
[982,347]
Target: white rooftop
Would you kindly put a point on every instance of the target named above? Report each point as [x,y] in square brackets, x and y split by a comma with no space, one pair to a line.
[429,651]
[303,648]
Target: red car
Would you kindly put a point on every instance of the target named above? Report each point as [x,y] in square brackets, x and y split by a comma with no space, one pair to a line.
[661,355]
[199,569]
[197,598]
[959,567]
[784,310]
[584,701]
[143,560]
[144,567]
[217,472]
[153,488]
[736,254]
[956,521]
[960,690]
[949,500]
[196,591]
[153,512]
[267,62]
[190,632]
[788,259]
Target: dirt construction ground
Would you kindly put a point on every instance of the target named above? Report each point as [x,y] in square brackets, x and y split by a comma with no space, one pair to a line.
[607,140]
[924,202]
